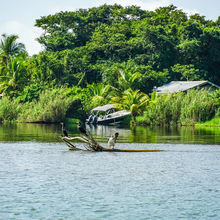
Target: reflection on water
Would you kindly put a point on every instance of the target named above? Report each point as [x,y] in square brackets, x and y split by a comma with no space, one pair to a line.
[127,134]
[143,134]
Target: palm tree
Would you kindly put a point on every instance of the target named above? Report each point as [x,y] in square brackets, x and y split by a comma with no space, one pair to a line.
[127,79]
[10,48]
[100,93]
[14,79]
[133,101]
[12,64]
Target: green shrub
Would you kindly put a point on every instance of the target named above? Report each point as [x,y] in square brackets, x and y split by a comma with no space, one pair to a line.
[217,112]
[32,92]
[51,107]
[9,109]
[197,106]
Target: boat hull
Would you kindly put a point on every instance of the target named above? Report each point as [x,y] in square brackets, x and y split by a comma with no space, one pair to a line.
[110,120]
[116,117]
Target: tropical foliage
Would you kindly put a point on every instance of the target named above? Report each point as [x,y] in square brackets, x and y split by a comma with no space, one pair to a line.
[10,48]
[133,101]
[112,54]
[100,93]
[13,73]
[182,108]
[100,44]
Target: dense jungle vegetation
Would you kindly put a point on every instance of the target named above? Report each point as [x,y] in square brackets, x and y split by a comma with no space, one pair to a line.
[112,54]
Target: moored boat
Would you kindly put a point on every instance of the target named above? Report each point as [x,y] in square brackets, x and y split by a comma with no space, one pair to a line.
[107,114]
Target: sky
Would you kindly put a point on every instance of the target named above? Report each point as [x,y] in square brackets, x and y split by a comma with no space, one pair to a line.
[18,16]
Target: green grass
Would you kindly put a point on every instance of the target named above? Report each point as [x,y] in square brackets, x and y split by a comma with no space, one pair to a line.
[189,108]
[215,122]
[51,107]
[9,110]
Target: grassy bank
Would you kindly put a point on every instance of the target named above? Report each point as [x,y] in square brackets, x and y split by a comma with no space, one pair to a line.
[215,122]
[53,105]
[181,109]
[57,104]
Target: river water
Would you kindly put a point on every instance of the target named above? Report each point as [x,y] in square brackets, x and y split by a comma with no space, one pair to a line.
[41,179]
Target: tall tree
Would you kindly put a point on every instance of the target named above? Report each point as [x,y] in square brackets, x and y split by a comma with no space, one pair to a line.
[67,30]
[13,82]
[10,48]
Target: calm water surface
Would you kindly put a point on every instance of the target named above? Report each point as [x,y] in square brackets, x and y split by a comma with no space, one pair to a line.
[41,179]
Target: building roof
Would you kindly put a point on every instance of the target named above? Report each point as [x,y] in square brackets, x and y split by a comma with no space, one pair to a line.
[178,86]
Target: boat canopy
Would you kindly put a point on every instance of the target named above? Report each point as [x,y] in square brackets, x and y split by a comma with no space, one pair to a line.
[104,108]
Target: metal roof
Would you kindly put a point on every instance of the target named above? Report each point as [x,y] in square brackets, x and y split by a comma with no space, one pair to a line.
[178,86]
[104,108]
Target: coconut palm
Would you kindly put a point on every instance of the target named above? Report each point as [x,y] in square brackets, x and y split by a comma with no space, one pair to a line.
[133,101]
[10,48]
[15,77]
[100,93]
[127,79]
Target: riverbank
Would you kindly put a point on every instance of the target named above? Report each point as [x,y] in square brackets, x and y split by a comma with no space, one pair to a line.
[58,104]
[215,122]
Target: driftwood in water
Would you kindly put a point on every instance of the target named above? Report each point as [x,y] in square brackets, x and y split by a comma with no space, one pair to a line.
[91,144]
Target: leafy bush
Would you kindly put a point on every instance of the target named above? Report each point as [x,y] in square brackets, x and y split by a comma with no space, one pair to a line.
[9,109]
[197,106]
[217,112]
[51,107]
[32,92]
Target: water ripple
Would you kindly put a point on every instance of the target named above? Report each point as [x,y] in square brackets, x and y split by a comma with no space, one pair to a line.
[46,181]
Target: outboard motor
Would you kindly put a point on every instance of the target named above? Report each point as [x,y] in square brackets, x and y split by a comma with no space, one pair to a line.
[95,119]
[90,119]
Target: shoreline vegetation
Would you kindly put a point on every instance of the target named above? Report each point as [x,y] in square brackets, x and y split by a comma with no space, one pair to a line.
[194,108]
[214,122]
[113,54]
